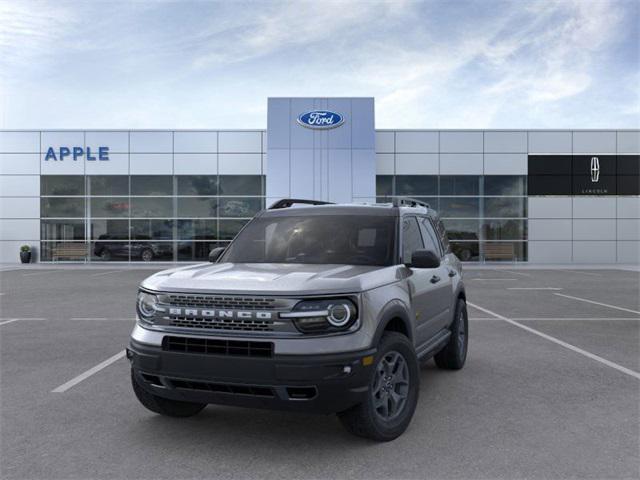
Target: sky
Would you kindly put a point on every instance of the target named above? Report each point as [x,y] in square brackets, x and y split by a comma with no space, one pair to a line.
[434,64]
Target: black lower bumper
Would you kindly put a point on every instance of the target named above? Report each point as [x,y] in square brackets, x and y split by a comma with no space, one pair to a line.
[314,384]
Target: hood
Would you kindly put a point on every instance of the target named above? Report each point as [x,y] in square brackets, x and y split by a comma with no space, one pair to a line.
[271,279]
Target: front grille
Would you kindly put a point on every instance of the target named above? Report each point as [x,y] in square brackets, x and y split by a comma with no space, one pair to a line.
[254,390]
[222,302]
[218,347]
[222,324]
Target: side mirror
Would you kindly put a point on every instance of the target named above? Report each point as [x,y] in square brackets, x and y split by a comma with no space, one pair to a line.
[424,259]
[214,254]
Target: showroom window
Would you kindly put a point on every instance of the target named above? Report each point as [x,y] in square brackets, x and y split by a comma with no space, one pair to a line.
[485,216]
[144,218]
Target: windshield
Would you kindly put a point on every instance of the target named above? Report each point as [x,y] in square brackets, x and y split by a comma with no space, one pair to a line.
[341,239]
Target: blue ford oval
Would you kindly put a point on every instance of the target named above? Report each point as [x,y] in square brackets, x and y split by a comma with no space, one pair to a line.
[320,119]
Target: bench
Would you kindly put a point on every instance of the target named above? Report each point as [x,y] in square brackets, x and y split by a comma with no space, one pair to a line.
[498,251]
[68,251]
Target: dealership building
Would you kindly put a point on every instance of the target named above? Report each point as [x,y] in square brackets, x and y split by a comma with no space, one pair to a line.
[537,196]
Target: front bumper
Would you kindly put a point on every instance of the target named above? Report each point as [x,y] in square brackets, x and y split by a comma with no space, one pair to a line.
[326,383]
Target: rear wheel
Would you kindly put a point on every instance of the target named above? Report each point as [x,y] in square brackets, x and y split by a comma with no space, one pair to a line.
[454,354]
[147,255]
[164,406]
[392,395]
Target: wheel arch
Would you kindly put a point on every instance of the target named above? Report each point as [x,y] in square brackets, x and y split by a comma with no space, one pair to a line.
[394,318]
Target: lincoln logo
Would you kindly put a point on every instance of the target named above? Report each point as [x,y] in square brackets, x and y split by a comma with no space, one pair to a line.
[595,169]
[231,314]
[320,119]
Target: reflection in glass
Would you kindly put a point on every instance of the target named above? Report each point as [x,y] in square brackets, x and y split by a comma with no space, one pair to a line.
[196,251]
[459,185]
[230,228]
[62,184]
[240,184]
[416,185]
[462,229]
[109,185]
[504,251]
[102,207]
[62,229]
[505,207]
[384,185]
[504,229]
[240,207]
[466,251]
[460,207]
[152,207]
[151,229]
[110,250]
[109,229]
[197,207]
[198,229]
[62,207]
[151,185]
[197,184]
[509,185]
[63,251]
[151,251]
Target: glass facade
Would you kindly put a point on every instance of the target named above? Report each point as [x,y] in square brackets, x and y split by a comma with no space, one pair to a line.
[485,215]
[144,218]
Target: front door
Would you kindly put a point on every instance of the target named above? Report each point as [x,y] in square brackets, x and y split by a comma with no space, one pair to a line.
[422,287]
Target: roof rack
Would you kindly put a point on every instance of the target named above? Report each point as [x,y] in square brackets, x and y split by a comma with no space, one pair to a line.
[288,202]
[409,202]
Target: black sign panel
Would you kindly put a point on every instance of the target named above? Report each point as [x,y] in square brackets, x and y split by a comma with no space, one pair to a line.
[584,174]
[628,164]
[628,185]
[549,184]
[549,164]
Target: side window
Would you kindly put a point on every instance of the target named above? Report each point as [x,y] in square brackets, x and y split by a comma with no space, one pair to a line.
[430,238]
[411,238]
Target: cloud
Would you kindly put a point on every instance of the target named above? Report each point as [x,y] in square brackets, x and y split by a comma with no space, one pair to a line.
[428,64]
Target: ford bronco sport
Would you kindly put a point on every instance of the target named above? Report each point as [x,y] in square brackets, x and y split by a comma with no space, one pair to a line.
[316,308]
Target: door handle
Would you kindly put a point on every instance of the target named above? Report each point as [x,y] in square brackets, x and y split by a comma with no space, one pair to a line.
[435,279]
[452,273]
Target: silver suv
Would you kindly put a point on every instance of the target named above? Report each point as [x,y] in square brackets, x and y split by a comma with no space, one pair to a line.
[313,307]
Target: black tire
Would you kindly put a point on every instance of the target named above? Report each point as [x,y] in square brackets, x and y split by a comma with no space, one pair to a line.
[164,406]
[366,420]
[146,255]
[454,354]
[105,255]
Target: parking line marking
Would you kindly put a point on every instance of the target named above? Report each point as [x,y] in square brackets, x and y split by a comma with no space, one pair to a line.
[597,303]
[99,319]
[11,320]
[590,274]
[40,273]
[515,273]
[534,288]
[578,319]
[500,279]
[105,273]
[573,348]
[83,376]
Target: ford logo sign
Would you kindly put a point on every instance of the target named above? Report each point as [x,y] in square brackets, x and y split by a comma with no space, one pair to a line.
[320,119]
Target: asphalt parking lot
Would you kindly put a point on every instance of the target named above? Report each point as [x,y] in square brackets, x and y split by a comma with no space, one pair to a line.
[551,389]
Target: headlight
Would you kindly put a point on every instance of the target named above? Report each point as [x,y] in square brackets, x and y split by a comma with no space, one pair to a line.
[323,316]
[146,306]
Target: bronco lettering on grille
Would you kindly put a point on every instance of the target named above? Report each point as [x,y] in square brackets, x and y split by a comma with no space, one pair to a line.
[208,313]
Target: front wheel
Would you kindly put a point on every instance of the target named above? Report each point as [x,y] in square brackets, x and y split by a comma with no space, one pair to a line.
[454,354]
[164,406]
[392,395]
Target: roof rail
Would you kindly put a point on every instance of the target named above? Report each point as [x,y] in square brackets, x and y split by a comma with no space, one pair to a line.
[409,202]
[288,202]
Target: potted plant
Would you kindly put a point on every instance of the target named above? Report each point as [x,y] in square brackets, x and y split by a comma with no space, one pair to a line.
[25,254]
